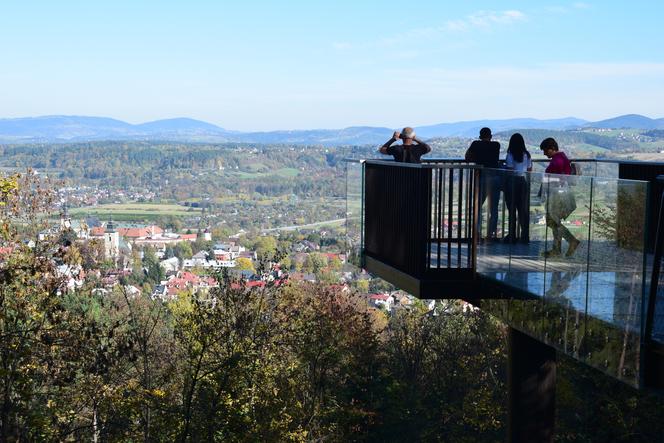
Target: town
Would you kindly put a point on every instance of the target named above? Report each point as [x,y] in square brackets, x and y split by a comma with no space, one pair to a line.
[148,259]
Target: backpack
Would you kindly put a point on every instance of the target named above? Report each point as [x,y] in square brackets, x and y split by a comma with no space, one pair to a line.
[575,169]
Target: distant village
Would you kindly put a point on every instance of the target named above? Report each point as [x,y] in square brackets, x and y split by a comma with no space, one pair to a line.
[195,272]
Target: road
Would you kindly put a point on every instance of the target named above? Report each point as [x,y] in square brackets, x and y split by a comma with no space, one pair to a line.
[308,225]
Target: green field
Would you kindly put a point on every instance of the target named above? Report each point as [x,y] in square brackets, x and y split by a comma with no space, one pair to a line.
[134,211]
[283,172]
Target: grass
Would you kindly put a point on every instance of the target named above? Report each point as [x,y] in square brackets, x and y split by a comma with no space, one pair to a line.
[282,172]
[135,211]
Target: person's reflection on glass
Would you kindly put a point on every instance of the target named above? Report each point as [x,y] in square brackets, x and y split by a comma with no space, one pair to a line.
[560,283]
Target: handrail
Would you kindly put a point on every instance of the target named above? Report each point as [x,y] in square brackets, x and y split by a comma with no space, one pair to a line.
[448,164]
[429,161]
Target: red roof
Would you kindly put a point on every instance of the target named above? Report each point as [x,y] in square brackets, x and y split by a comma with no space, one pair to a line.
[140,232]
[249,284]
[383,297]
[210,281]
[97,231]
[177,283]
[190,277]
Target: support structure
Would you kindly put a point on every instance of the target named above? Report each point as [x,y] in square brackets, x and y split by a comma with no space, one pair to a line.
[532,389]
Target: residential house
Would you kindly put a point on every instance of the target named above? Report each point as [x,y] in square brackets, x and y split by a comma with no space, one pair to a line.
[382,300]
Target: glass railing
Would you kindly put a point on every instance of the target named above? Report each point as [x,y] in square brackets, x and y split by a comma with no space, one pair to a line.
[587,167]
[574,247]
[354,216]
[569,258]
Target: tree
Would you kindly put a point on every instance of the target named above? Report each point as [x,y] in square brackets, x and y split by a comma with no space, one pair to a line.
[265,247]
[335,264]
[37,333]
[361,286]
[286,263]
[183,250]
[244,264]
[314,262]
[154,273]
[455,355]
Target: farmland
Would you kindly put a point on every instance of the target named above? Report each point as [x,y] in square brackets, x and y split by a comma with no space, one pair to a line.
[135,211]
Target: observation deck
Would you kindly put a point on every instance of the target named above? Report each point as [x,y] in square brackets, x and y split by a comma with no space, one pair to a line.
[423,228]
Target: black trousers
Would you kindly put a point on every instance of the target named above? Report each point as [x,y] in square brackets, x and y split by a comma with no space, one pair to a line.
[517,198]
[490,186]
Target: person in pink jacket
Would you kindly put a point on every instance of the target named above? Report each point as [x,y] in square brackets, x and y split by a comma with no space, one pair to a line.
[560,201]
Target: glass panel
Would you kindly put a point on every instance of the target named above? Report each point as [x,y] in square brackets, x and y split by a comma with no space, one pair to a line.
[580,274]
[616,270]
[566,218]
[354,222]
[526,271]
[606,169]
[493,253]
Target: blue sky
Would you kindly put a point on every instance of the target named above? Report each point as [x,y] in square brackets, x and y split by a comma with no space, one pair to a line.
[262,65]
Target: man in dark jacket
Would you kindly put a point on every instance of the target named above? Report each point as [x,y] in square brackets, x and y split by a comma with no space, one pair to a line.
[410,151]
[486,153]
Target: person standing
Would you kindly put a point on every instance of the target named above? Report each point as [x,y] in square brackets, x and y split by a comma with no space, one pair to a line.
[486,153]
[560,202]
[410,151]
[517,188]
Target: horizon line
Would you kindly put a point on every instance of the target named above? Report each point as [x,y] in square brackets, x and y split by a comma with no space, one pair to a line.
[317,128]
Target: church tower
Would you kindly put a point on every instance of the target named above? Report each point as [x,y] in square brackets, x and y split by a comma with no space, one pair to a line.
[111,241]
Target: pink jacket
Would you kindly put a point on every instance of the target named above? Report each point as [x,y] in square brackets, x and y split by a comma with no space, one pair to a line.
[559,164]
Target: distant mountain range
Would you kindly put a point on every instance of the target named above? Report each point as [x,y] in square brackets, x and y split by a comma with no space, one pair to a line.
[62,129]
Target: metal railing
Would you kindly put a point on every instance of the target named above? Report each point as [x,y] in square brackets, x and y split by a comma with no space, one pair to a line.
[420,218]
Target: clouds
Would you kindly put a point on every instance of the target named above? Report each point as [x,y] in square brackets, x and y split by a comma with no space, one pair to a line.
[484,20]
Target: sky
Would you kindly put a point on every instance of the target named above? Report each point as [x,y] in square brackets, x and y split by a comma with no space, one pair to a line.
[266,65]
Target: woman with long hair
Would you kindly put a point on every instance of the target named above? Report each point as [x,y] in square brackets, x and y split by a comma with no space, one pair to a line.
[517,189]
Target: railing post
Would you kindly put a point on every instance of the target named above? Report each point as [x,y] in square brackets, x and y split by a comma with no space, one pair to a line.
[476,229]
[651,369]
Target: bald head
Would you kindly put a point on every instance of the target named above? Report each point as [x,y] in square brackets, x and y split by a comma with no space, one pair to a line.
[408,132]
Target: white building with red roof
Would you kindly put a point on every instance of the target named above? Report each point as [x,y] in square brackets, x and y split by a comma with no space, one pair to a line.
[382,300]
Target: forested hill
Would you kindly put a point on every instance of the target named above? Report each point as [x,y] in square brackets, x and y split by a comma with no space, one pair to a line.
[115,155]
[566,138]
[73,129]
[186,170]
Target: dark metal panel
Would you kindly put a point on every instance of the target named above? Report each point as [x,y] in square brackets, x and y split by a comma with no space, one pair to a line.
[437,284]
[531,378]
[396,200]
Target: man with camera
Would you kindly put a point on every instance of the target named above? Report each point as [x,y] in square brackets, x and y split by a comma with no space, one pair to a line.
[410,151]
